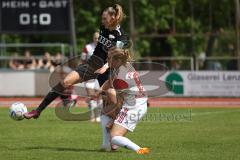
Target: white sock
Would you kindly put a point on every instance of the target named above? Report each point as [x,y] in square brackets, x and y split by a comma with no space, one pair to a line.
[125,142]
[92,106]
[100,103]
[105,132]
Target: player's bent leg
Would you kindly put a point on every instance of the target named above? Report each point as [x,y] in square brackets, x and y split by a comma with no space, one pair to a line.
[118,130]
[117,137]
[72,78]
[106,145]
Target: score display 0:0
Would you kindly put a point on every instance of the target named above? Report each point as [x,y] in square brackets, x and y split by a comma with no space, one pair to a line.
[28,19]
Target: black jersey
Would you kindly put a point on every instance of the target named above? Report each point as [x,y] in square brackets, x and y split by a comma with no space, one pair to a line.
[106,40]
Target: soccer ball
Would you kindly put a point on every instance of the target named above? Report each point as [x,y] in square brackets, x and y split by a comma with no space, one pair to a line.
[17,110]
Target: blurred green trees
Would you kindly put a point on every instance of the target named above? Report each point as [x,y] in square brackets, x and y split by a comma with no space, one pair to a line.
[162,27]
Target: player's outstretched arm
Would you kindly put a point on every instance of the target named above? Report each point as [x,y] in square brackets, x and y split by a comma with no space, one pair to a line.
[102,89]
[112,95]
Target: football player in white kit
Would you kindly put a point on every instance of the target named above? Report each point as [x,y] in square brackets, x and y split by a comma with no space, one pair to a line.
[92,85]
[125,81]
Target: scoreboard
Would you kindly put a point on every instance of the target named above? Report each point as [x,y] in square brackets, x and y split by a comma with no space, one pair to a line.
[35,16]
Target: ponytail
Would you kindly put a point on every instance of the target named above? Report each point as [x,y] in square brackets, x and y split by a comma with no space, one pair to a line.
[117,11]
[123,54]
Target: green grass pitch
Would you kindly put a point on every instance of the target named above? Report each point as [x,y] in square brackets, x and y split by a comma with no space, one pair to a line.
[172,134]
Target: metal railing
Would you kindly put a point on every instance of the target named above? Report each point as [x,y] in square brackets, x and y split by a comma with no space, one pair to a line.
[150,63]
[217,63]
[4,46]
[171,63]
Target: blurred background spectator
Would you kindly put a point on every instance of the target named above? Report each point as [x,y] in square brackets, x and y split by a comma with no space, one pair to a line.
[58,59]
[15,63]
[29,61]
[46,62]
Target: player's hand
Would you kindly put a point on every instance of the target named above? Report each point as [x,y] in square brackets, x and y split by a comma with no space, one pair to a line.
[101,70]
[97,94]
[111,51]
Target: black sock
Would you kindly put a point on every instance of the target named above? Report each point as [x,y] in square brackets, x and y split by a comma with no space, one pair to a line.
[51,96]
[63,97]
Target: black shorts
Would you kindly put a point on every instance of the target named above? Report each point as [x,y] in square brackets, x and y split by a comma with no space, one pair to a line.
[103,77]
[86,71]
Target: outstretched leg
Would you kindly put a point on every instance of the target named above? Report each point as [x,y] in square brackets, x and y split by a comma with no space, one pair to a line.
[72,78]
[117,134]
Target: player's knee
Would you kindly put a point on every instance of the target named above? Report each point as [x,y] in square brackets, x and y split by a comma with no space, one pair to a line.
[112,134]
[67,83]
[115,133]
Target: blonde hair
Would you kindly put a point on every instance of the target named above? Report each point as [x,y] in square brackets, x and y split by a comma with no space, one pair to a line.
[120,54]
[117,11]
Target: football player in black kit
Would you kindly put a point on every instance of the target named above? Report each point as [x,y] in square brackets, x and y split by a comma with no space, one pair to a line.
[111,35]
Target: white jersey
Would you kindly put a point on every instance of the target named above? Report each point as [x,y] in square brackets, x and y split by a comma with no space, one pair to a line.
[127,79]
[88,51]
